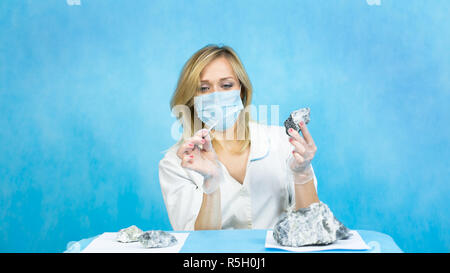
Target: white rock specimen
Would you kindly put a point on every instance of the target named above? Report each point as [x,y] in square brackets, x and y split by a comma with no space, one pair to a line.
[313,225]
[295,117]
[129,234]
[157,238]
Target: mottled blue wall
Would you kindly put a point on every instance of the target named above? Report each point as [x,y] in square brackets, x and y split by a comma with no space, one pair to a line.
[84,108]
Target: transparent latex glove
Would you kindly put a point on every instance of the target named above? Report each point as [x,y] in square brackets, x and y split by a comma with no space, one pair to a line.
[197,154]
[299,161]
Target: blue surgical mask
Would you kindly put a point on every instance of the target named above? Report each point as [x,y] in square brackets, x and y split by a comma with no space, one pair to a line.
[220,108]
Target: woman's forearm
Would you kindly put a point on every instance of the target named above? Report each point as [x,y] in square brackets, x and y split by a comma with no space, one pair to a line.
[305,194]
[210,215]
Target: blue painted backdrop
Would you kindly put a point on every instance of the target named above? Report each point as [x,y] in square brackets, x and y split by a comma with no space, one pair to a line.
[84,108]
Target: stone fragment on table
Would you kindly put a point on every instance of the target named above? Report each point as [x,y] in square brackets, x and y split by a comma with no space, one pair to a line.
[129,234]
[157,238]
[313,225]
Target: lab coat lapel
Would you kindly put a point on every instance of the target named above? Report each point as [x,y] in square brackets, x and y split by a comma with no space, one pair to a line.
[260,141]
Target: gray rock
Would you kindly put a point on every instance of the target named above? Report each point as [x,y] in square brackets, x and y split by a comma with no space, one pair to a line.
[295,117]
[129,234]
[157,238]
[313,225]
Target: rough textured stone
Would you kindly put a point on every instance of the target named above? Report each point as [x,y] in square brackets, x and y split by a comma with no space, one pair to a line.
[313,225]
[157,238]
[295,117]
[129,234]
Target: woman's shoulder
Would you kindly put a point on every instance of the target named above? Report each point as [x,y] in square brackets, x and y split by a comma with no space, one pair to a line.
[170,155]
[171,171]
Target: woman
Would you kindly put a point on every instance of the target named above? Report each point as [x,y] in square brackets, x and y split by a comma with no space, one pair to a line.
[235,172]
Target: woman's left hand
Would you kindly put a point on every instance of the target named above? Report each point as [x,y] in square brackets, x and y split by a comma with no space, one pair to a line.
[303,153]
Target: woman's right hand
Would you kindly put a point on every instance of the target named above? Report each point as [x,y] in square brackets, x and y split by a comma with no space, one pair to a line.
[196,153]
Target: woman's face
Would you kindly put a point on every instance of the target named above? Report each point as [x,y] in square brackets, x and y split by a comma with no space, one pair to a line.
[218,75]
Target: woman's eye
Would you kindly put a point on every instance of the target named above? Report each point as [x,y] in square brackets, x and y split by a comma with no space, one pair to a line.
[228,85]
[203,88]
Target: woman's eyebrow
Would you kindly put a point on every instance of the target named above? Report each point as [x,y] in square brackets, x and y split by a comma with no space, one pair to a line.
[220,79]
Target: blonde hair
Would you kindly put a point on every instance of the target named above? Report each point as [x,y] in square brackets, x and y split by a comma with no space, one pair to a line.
[189,83]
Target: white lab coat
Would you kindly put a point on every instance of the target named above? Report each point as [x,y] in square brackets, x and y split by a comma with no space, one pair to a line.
[255,204]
